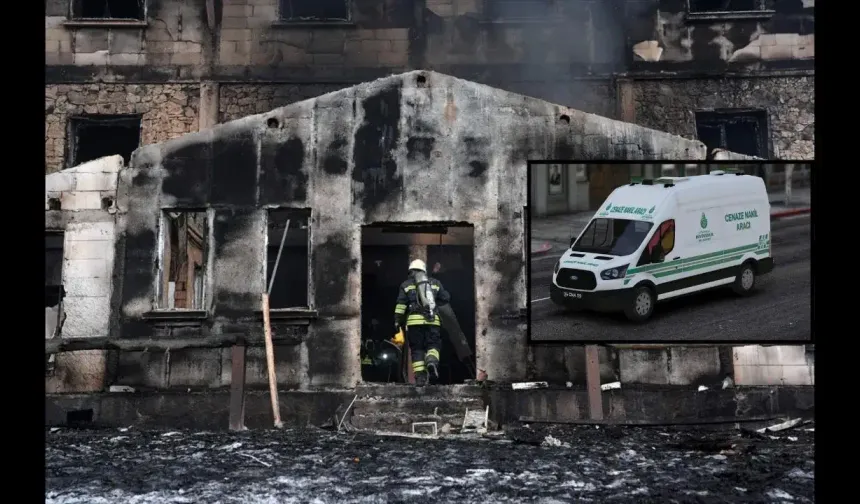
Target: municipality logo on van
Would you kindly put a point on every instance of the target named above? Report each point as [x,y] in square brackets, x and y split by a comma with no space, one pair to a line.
[705,234]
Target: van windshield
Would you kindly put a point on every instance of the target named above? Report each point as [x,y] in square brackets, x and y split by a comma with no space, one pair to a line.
[617,237]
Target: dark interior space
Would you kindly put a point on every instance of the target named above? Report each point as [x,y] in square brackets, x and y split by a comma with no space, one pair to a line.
[290,288]
[386,252]
[740,132]
[96,136]
[79,418]
[53,268]
[726,5]
[108,9]
[318,10]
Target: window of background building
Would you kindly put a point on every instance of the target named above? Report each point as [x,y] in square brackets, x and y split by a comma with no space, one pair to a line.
[727,5]
[108,9]
[742,132]
[95,136]
[557,176]
[315,10]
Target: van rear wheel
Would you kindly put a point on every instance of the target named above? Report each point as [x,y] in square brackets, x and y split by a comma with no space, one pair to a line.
[745,281]
[641,306]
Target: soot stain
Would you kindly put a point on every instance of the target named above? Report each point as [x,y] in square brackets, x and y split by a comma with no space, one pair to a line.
[284,177]
[477,168]
[234,169]
[188,173]
[325,351]
[335,162]
[419,148]
[373,149]
[333,263]
[477,154]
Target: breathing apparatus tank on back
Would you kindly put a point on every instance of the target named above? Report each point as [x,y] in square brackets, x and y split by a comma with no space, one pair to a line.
[425,290]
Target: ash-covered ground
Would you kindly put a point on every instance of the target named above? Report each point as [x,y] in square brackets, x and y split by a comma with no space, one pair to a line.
[527,464]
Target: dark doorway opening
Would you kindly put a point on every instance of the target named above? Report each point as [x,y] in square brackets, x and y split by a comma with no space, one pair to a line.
[386,251]
[97,136]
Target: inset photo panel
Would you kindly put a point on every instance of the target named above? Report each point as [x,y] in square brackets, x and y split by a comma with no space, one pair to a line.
[670,252]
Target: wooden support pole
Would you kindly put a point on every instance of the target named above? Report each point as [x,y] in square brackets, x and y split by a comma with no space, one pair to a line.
[270,361]
[237,388]
[592,380]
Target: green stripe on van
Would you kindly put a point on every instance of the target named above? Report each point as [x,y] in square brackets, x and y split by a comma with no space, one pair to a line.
[688,262]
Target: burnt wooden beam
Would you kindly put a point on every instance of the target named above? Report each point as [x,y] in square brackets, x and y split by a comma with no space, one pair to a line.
[592,380]
[237,388]
[59,345]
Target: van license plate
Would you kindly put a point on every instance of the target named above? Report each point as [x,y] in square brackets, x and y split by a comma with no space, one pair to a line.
[575,295]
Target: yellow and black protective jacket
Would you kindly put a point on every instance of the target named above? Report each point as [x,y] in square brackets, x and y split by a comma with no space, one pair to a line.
[409,306]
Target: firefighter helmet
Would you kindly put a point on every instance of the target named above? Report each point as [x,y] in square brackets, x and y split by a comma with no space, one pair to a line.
[418,265]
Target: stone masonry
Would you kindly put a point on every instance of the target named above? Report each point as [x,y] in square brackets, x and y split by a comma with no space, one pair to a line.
[239,100]
[670,105]
[167,110]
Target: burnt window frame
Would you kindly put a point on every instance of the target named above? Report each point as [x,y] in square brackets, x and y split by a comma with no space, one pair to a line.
[76,19]
[158,272]
[309,302]
[75,122]
[284,17]
[764,11]
[758,116]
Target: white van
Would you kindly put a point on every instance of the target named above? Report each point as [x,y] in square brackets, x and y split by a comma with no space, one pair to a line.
[659,239]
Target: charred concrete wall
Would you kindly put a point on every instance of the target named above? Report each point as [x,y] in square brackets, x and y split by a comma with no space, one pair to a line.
[80,202]
[415,147]
[595,56]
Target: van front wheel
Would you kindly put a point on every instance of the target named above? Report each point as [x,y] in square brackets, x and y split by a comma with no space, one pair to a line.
[745,281]
[641,306]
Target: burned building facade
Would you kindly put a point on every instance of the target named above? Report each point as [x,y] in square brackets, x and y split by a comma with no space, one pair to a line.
[734,74]
[197,219]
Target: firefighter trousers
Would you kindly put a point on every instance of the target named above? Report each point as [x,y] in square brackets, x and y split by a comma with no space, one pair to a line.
[425,342]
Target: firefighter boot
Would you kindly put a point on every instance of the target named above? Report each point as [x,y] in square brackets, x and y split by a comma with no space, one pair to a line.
[432,361]
[421,378]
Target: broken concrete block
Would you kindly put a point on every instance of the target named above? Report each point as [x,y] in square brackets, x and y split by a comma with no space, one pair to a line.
[87,231]
[95,249]
[86,317]
[88,287]
[95,181]
[107,164]
[76,200]
[59,182]
[84,268]
[648,50]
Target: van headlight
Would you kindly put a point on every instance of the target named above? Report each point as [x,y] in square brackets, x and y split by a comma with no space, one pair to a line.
[557,266]
[614,273]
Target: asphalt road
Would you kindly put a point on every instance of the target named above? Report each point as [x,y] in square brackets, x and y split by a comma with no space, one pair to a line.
[553,465]
[780,309]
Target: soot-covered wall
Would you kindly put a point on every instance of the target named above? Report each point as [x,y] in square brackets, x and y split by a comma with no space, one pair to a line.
[420,146]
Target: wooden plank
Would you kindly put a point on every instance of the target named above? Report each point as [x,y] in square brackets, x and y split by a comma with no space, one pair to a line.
[270,361]
[237,388]
[592,380]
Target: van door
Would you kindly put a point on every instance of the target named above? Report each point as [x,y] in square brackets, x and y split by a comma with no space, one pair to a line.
[659,255]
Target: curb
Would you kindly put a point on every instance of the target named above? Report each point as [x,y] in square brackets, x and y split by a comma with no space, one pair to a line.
[542,249]
[790,213]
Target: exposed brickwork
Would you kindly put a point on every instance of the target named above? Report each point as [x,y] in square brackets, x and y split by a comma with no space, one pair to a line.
[240,100]
[670,105]
[168,110]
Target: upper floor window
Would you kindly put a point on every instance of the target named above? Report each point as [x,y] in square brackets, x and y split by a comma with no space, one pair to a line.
[722,9]
[108,10]
[314,10]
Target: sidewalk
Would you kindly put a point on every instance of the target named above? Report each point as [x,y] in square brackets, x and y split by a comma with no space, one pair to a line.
[553,233]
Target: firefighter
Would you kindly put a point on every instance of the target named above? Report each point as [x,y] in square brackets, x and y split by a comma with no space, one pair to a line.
[417,301]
